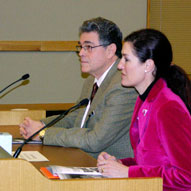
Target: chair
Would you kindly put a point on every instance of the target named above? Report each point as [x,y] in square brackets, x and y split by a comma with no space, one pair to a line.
[16,116]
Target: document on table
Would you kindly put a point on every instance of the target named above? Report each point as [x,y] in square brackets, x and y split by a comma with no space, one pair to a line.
[32,156]
[21,140]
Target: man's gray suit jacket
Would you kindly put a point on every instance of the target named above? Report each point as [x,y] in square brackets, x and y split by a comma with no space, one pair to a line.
[106,126]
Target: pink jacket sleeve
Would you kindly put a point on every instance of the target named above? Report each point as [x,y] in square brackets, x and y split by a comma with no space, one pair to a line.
[174,129]
[128,161]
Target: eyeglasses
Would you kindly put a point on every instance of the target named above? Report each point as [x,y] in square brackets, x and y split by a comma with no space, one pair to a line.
[88,48]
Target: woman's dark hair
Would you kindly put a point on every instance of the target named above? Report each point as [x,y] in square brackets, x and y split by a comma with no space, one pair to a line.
[107,30]
[153,44]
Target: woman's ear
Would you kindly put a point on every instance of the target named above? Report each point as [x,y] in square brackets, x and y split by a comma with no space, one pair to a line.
[149,66]
[111,50]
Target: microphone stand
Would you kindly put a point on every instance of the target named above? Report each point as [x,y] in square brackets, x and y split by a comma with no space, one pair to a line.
[19,149]
[24,77]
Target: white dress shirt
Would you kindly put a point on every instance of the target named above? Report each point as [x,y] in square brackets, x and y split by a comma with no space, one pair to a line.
[98,81]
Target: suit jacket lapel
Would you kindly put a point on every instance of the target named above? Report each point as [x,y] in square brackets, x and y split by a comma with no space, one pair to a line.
[101,89]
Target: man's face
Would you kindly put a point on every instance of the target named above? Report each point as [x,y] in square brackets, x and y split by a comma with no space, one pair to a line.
[93,60]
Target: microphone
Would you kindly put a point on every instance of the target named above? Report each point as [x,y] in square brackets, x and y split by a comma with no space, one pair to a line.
[81,103]
[24,77]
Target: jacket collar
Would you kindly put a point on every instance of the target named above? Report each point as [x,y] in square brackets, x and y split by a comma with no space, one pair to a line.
[103,86]
[160,84]
[105,83]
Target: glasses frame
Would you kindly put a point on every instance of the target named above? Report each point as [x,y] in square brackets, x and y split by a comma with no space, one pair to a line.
[88,48]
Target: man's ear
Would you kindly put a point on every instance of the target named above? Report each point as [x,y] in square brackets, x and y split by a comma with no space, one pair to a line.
[149,65]
[111,50]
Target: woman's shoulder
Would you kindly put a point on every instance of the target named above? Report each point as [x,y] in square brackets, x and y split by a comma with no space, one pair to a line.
[163,98]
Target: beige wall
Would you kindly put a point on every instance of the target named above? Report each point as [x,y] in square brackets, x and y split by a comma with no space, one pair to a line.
[174,19]
[55,76]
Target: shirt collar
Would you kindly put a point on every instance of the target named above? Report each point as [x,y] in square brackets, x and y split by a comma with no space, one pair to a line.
[100,80]
[146,93]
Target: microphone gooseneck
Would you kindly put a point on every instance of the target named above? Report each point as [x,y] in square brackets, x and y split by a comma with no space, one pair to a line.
[24,77]
[81,103]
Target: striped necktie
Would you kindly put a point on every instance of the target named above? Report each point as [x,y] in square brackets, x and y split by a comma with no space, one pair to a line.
[94,90]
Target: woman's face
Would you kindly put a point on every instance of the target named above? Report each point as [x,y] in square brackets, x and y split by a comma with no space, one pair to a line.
[132,70]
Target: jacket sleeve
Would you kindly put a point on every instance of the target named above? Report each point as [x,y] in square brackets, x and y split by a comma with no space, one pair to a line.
[111,120]
[128,161]
[174,128]
[66,122]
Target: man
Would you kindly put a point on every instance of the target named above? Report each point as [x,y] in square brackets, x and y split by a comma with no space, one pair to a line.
[104,124]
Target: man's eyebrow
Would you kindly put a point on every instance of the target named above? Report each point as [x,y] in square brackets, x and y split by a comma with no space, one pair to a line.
[86,42]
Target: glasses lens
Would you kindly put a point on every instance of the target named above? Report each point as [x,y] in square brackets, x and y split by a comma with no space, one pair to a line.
[78,48]
[88,48]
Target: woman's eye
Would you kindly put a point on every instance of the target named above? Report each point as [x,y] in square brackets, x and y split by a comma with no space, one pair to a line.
[126,59]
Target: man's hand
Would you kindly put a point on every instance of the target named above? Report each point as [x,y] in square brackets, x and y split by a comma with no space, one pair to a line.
[29,127]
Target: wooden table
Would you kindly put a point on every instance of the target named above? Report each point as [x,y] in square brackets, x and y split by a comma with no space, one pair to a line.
[60,156]
[21,175]
[56,155]
[12,129]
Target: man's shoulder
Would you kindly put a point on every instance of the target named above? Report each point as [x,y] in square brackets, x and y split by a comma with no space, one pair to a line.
[116,76]
[115,82]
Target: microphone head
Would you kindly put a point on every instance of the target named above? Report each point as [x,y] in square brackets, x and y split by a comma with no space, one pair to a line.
[84,102]
[24,77]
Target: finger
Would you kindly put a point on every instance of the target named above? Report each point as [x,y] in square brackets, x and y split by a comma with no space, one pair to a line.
[101,155]
[106,155]
[101,162]
[27,118]
[23,131]
[25,136]
[27,121]
[24,124]
[101,169]
[112,158]
[100,159]
[104,172]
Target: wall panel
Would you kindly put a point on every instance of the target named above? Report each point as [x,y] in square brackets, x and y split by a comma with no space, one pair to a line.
[174,19]
[55,75]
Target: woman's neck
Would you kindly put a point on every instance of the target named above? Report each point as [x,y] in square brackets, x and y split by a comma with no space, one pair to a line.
[146,92]
[141,88]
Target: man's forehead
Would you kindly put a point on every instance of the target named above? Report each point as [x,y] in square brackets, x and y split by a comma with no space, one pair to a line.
[89,38]
[85,42]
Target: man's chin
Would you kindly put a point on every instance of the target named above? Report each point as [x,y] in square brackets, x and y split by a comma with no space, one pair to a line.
[124,83]
[84,70]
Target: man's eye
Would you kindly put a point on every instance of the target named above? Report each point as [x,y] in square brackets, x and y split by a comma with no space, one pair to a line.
[88,47]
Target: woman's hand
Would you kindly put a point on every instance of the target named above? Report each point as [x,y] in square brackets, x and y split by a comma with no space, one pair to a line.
[104,156]
[109,166]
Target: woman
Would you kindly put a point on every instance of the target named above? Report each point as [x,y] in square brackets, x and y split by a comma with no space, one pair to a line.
[161,124]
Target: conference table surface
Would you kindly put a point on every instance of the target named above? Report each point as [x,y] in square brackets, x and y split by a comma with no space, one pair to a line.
[55,154]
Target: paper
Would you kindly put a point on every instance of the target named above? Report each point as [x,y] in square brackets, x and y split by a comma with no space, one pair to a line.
[32,156]
[21,140]
[62,172]
[75,170]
